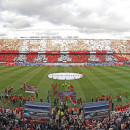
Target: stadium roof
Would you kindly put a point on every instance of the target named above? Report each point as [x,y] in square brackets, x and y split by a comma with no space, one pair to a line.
[59,34]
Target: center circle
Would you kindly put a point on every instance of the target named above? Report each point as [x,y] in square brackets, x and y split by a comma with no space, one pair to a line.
[65,76]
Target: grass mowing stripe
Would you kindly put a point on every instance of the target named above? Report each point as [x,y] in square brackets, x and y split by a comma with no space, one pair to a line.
[3,67]
[83,85]
[76,84]
[117,70]
[123,75]
[123,68]
[45,85]
[59,70]
[9,70]
[103,76]
[113,84]
[9,80]
[90,80]
[88,87]
[19,81]
[49,80]
[99,84]
[112,88]
[37,77]
[28,77]
[118,78]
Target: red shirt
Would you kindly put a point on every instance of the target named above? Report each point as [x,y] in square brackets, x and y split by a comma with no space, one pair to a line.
[66,98]
[67,126]
[32,123]
[23,122]
[24,85]
[1,109]
[72,90]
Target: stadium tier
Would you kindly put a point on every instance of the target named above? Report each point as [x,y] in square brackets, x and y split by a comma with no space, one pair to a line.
[60,58]
[37,45]
[64,50]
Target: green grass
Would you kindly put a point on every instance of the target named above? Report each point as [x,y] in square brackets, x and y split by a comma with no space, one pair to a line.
[96,81]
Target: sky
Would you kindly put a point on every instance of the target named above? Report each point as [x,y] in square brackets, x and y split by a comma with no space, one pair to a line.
[78,17]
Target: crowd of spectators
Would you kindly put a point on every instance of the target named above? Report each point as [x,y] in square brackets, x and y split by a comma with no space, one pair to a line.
[68,58]
[118,46]
[62,117]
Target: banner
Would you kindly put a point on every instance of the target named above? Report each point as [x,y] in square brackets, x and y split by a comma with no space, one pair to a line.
[37,111]
[31,89]
[97,109]
[68,93]
[53,52]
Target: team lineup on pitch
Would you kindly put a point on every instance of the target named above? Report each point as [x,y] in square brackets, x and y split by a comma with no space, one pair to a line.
[95,81]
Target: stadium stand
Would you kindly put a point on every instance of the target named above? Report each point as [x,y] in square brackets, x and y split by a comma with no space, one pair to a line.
[40,59]
[64,50]
[65,45]
[72,58]
[63,118]
[57,51]
[21,58]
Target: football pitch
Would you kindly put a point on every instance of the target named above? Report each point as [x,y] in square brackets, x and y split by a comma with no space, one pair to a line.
[96,81]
